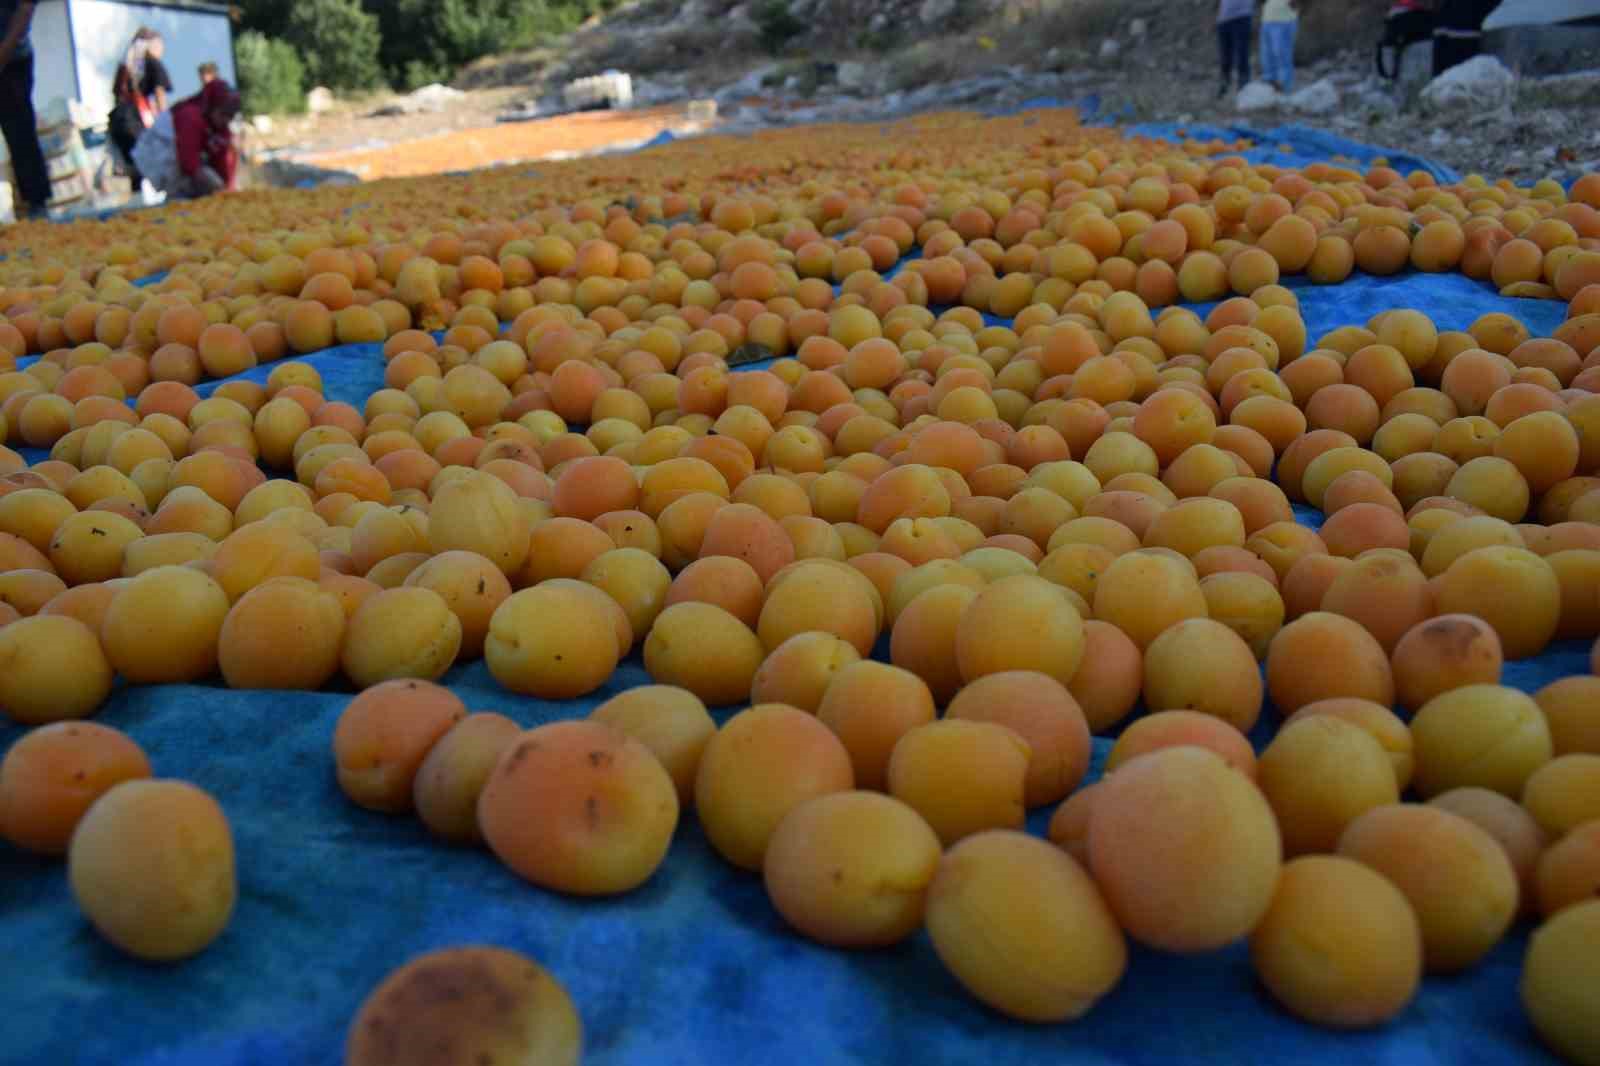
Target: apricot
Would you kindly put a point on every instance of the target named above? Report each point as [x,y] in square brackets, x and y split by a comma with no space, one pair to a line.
[1445,653]
[283,634]
[479,513]
[1564,793]
[1455,876]
[671,722]
[552,642]
[52,775]
[1185,849]
[1387,594]
[1512,589]
[486,1004]
[798,671]
[1019,623]
[1512,827]
[763,763]
[1319,774]
[451,776]
[151,864]
[405,632]
[579,807]
[1200,664]
[851,869]
[165,626]
[1144,594]
[1023,928]
[962,776]
[383,736]
[1568,871]
[1041,711]
[1183,728]
[1559,982]
[871,706]
[1108,681]
[1572,713]
[1340,945]
[252,554]
[1246,603]
[819,595]
[1320,656]
[704,649]
[1487,736]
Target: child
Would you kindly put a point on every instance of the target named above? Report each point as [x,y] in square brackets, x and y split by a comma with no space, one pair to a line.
[1233,36]
[1279,20]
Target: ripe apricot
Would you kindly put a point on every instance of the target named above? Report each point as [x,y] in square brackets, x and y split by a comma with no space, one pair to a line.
[1023,927]
[579,807]
[1185,849]
[51,776]
[763,763]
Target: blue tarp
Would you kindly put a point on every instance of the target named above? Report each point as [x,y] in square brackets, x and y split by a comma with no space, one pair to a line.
[693,968]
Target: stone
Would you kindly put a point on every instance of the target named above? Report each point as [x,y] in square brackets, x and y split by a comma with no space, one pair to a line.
[1109,48]
[319,100]
[935,11]
[1481,83]
[1318,98]
[1258,96]
[1138,28]
[852,75]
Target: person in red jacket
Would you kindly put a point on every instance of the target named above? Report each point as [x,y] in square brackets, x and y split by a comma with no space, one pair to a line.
[207,162]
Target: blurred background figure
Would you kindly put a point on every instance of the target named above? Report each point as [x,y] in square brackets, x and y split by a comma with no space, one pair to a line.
[203,135]
[145,74]
[1233,38]
[1279,21]
[17,119]
[208,73]
[1458,31]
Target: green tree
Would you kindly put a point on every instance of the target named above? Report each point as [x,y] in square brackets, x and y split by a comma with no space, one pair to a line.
[339,43]
[272,80]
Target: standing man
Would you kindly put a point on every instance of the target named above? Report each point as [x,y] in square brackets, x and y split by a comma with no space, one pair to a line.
[1233,40]
[16,107]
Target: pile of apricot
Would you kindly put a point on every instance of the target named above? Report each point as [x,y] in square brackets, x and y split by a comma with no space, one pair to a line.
[916,562]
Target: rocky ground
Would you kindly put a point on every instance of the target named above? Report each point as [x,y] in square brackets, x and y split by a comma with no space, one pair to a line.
[1145,60]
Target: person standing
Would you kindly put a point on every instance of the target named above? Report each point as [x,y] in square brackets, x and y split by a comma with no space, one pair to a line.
[20,125]
[1458,32]
[1279,21]
[1233,38]
[154,81]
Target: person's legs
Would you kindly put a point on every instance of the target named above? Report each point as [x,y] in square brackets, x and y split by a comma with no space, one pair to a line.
[1233,37]
[22,133]
[1279,64]
[1241,52]
[1269,52]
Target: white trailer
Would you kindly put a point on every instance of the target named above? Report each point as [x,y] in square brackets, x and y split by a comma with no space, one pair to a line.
[78,45]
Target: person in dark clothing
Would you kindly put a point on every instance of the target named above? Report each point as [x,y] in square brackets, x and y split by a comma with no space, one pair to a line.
[20,125]
[124,124]
[154,81]
[1233,37]
[1458,32]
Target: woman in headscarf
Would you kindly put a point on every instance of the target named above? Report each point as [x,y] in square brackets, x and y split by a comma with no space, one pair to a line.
[203,135]
[143,76]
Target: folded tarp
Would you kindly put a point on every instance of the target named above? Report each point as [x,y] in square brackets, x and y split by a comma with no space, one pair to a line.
[1540,13]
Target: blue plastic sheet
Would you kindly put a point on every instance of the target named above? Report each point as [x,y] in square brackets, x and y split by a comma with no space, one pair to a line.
[693,968]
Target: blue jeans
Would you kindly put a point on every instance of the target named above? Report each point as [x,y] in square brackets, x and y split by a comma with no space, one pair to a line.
[1277,53]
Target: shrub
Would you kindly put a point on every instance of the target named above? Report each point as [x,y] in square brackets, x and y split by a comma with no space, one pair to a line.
[272,80]
[339,42]
[777,25]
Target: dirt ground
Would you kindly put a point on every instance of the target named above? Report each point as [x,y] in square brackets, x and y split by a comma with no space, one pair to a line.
[499,143]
